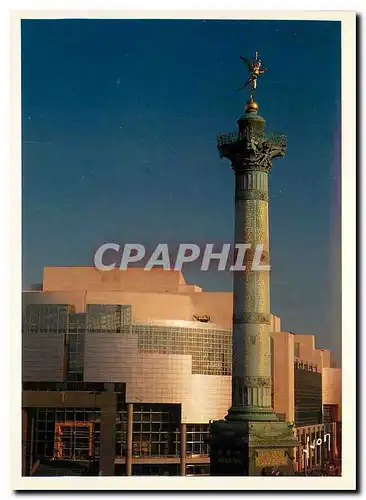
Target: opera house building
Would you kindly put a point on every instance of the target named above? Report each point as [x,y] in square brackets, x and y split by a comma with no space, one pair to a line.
[123,371]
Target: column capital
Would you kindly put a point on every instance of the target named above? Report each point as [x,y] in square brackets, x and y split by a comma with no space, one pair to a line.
[251,152]
[258,154]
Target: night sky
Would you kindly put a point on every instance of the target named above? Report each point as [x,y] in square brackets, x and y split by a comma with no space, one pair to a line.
[119,126]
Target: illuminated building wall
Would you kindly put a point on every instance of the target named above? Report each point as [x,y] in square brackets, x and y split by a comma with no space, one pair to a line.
[98,342]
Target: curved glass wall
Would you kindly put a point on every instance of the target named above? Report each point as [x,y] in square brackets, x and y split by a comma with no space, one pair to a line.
[210,348]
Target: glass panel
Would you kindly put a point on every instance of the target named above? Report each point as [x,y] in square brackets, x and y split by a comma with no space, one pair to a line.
[47,318]
[154,449]
[210,349]
[108,318]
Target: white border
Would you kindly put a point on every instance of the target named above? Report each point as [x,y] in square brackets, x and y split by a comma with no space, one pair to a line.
[347,481]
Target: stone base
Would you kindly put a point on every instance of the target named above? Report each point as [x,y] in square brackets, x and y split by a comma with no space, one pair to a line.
[252,448]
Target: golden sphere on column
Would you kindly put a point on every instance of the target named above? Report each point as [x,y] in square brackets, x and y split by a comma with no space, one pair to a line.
[251,106]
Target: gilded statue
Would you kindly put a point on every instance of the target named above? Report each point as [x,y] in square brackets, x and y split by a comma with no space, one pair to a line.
[255,69]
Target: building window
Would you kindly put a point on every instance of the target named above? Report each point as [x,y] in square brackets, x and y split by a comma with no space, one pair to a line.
[121,429]
[108,318]
[308,397]
[197,435]
[211,349]
[66,433]
[75,347]
[296,349]
[47,318]
[156,430]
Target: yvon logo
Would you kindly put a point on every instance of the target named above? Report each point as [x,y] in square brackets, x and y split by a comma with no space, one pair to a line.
[308,450]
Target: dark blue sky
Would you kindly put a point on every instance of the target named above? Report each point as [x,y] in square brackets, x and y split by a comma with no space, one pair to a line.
[119,125]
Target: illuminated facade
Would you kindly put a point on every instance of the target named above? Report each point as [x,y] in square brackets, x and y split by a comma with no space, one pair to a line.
[307,392]
[118,374]
[129,354]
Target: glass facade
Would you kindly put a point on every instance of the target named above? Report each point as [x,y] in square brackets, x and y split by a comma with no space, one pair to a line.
[61,318]
[107,318]
[75,347]
[65,433]
[47,318]
[121,428]
[197,435]
[156,430]
[74,433]
[211,349]
[308,396]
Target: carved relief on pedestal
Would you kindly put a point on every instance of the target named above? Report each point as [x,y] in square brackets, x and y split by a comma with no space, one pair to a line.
[271,431]
[265,458]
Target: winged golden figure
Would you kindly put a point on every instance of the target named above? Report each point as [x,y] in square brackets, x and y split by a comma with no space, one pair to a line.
[255,69]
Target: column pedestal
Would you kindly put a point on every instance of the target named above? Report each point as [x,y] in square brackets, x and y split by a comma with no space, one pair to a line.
[251,448]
